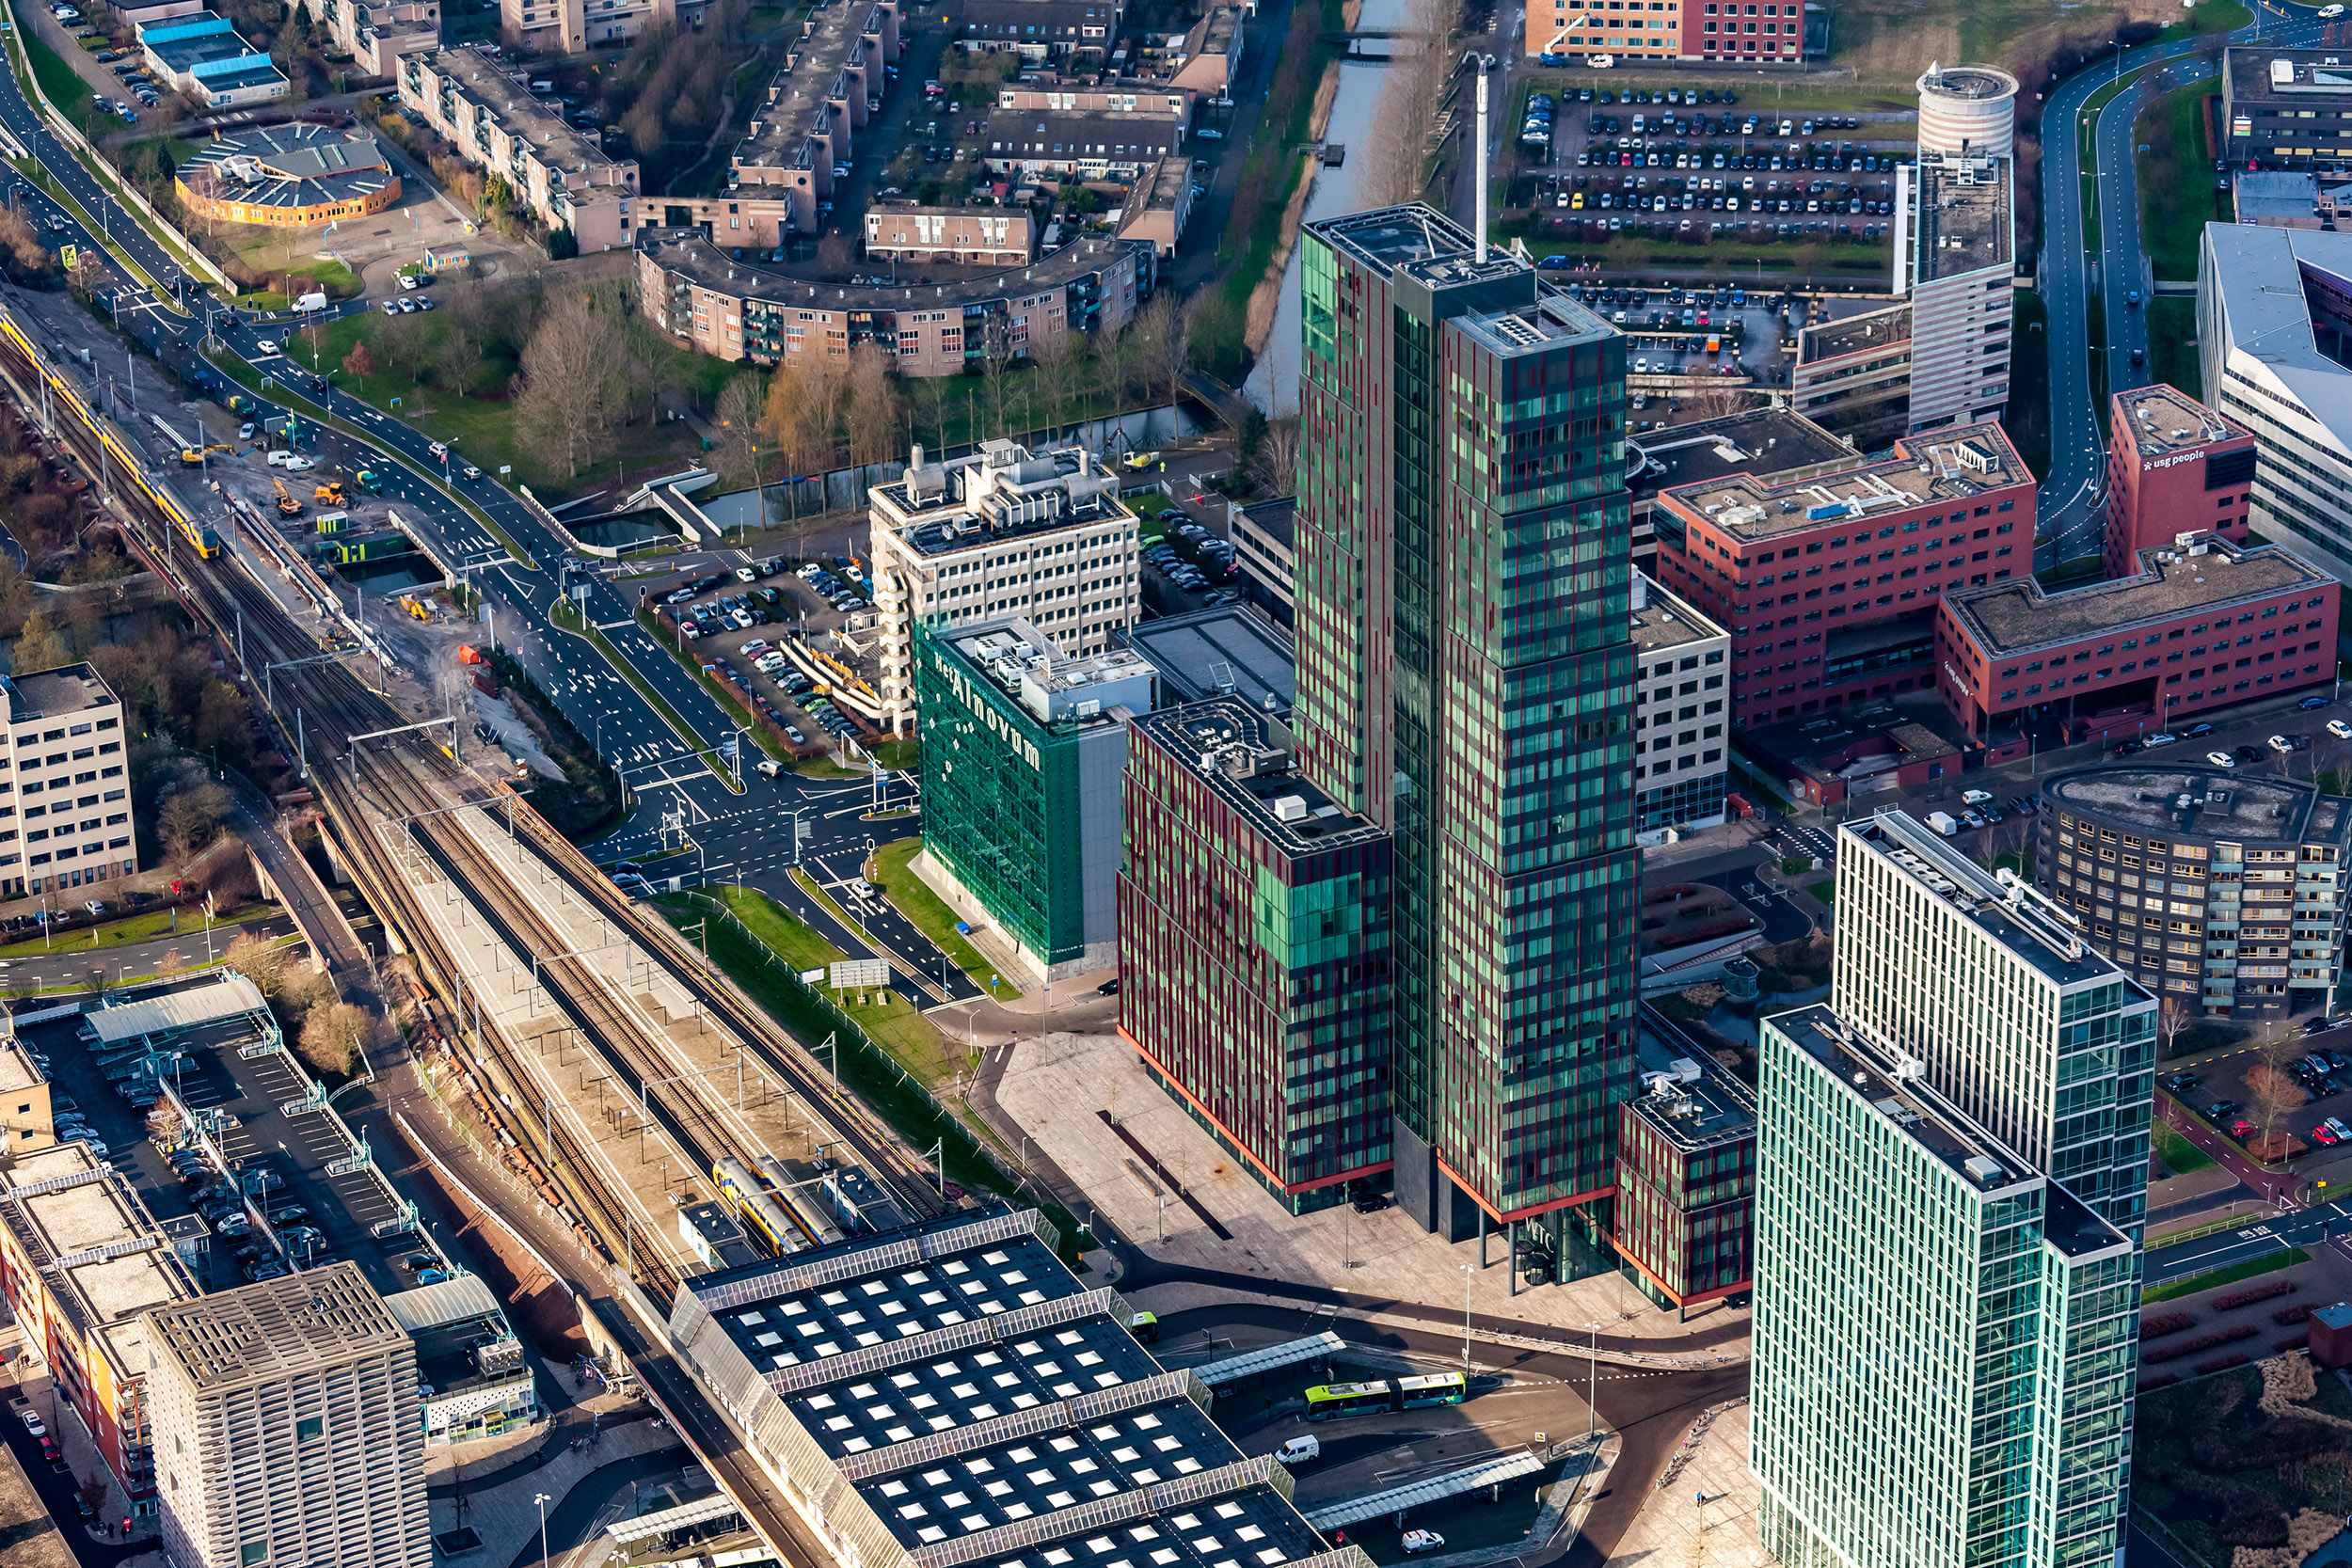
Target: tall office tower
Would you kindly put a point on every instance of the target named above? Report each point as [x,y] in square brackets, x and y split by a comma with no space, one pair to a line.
[1944,1335]
[1466,681]
[2021,1024]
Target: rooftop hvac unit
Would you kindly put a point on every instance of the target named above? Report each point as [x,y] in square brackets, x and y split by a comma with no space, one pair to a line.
[1984,1170]
[1290,808]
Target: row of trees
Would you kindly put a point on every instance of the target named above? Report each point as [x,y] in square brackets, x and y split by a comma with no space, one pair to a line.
[820,409]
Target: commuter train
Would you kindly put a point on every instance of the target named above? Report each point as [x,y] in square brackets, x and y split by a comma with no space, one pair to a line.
[68,405]
[763,1219]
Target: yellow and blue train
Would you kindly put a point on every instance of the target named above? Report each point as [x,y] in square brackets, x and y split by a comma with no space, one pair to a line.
[202,538]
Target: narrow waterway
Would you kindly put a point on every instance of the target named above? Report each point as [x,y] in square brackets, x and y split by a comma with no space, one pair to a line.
[1272,383]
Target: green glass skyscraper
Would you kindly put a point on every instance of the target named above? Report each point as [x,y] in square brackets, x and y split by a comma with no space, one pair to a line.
[1466,680]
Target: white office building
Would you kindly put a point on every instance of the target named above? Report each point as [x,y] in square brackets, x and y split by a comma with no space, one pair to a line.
[1680,766]
[2272,307]
[1004,532]
[65,789]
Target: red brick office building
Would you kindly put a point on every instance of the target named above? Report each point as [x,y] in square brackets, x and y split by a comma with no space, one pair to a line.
[2201,625]
[1830,585]
[2174,466]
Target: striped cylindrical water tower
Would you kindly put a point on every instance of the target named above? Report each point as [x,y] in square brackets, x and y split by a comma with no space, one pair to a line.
[1967,108]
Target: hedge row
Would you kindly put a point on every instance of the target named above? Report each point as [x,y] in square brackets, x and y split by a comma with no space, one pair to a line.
[2252,1293]
[2164,1324]
[2204,1341]
[2295,1314]
[2222,1363]
[2297,1341]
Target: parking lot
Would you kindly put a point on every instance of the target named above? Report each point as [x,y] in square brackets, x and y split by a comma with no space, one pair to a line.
[281,1163]
[2317,1070]
[1591,164]
[721,616]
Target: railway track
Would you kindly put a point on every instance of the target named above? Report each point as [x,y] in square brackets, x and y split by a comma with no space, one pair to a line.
[403,777]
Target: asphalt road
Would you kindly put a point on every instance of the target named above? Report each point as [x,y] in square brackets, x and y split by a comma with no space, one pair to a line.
[733,832]
[2068,507]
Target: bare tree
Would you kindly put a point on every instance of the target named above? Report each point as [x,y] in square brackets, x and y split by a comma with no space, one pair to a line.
[1274,466]
[869,406]
[1416,90]
[738,413]
[802,399]
[2172,1018]
[1057,358]
[572,384]
[1714,401]
[2272,1088]
[405,346]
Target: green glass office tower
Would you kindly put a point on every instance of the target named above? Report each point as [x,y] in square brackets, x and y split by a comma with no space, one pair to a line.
[1466,680]
[1952,1167]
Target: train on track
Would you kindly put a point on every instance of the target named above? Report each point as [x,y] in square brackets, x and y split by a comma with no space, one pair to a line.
[201,536]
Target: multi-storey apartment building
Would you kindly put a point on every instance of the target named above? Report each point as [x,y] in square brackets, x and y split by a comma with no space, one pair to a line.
[2271,305]
[64,801]
[1975,1097]
[2203,625]
[2022,1024]
[1734,33]
[2222,892]
[691,287]
[1038,30]
[82,1260]
[1078,143]
[2173,467]
[1680,753]
[570,26]
[1254,950]
[969,236]
[376,33]
[562,178]
[1022,749]
[1830,584]
[1003,531]
[1955,252]
[1466,683]
[830,86]
[288,1426]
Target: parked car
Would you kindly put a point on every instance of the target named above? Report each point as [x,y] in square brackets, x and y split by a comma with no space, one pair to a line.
[2221,759]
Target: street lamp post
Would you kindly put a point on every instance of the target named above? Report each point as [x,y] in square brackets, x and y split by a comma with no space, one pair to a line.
[541,1498]
[1591,1380]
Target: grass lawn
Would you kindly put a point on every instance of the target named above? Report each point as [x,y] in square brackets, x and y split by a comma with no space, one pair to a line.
[934,919]
[59,82]
[879,1077]
[2173,342]
[277,254]
[1745,261]
[136,927]
[2029,382]
[1825,890]
[896,756]
[2211,16]
[2231,1276]
[2180,1156]
[2220,1472]
[2095,336]
[2177,196]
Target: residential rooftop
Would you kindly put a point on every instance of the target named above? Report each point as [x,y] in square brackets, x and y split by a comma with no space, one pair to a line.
[52,693]
[2283,193]
[17,1070]
[2048,939]
[1232,649]
[2158,420]
[2205,802]
[1856,333]
[1246,758]
[494,85]
[1941,468]
[801,95]
[705,264]
[1000,493]
[276,1330]
[1056,689]
[1966,216]
[2018,616]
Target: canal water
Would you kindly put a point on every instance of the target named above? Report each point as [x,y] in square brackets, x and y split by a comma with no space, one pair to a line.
[1272,383]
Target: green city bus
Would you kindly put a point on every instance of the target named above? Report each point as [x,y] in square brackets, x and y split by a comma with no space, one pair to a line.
[1330,1401]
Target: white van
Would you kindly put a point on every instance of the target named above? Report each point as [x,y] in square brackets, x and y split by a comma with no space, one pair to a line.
[1300,1450]
[767,768]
